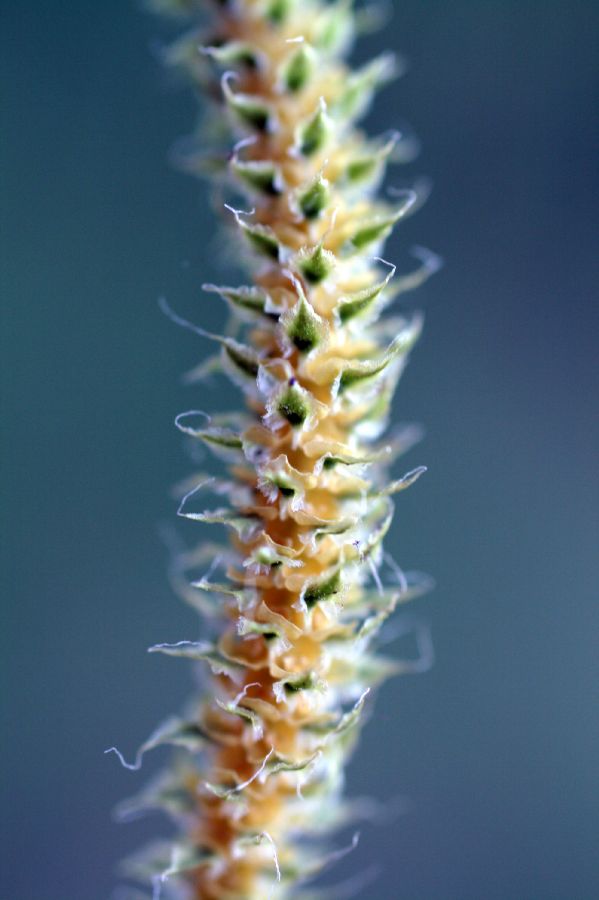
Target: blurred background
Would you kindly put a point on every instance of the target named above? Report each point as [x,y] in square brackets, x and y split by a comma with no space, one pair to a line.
[495,749]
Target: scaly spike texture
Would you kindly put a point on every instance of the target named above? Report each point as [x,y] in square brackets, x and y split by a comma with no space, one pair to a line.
[299,603]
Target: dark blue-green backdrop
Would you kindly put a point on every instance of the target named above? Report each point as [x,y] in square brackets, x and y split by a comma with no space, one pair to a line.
[497,747]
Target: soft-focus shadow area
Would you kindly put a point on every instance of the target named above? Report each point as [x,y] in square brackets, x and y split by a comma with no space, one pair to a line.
[495,749]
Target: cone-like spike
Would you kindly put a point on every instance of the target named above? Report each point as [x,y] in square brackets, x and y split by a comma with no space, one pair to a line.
[298,596]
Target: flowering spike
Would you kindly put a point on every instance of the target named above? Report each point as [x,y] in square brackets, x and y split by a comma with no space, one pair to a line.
[297,598]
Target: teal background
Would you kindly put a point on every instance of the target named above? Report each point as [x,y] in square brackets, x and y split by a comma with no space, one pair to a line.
[496,747]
